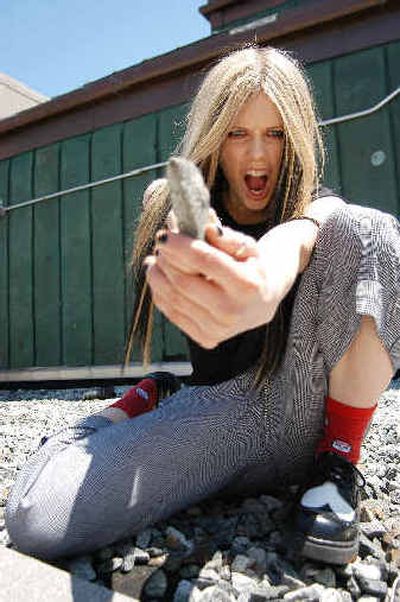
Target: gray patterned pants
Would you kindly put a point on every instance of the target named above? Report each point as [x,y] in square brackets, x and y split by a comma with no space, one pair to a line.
[97,482]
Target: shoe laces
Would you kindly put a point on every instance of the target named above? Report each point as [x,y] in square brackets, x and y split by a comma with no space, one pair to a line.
[343,473]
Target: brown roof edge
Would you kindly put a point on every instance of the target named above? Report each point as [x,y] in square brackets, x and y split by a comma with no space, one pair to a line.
[214,5]
[217,5]
[184,58]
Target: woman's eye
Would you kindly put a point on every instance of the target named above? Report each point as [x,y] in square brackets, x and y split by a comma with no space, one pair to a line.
[276,133]
[236,133]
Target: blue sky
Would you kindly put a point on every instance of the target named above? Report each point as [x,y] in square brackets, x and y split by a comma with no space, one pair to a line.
[55,46]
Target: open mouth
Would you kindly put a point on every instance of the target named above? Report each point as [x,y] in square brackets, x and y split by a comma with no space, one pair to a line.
[256,184]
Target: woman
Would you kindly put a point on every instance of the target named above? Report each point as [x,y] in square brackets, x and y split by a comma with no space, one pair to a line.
[285,306]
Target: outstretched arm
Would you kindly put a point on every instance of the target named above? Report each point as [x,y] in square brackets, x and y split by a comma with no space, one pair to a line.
[216,289]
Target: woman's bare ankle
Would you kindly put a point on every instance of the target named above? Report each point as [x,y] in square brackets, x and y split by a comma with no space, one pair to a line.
[113,414]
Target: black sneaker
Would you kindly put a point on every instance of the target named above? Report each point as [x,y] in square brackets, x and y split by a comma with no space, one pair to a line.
[327,516]
[167,383]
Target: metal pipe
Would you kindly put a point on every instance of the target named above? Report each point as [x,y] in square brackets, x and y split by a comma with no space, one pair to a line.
[54,195]
[364,113]
[142,170]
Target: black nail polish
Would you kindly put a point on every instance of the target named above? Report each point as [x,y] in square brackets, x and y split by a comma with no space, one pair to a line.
[219,230]
[163,237]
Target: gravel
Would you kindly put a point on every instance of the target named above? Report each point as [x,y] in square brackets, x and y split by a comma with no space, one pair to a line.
[224,550]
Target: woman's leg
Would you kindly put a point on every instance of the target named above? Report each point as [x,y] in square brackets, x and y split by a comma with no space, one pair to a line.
[89,486]
[359,322]
[365,370]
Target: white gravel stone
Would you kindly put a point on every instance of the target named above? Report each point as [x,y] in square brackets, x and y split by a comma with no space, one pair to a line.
[241,563]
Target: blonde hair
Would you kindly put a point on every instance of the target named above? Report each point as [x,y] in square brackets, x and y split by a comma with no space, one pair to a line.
[226,88]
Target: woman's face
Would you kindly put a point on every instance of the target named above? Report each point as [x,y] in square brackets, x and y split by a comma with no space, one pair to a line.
[251,158]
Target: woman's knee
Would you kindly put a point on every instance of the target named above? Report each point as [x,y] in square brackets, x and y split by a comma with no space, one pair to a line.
[357,267]
[32,524]
[357,239]
[40,505]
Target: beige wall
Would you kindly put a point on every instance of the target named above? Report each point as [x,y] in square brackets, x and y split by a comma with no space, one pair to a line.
[16,97]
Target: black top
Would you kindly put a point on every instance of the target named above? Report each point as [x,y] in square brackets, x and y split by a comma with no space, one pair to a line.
[237,354]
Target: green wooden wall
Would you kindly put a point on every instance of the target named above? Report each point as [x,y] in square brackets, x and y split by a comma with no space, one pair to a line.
[65,292]
[65,299]
[364,154]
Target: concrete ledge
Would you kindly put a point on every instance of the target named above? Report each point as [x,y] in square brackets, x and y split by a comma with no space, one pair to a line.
[63,373]
[24,578]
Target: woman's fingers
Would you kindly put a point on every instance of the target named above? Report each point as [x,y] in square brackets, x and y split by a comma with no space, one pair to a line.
[198,257]
[178,297]
[236,244]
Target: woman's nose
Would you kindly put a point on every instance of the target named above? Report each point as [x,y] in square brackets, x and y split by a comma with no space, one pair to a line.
[257,148]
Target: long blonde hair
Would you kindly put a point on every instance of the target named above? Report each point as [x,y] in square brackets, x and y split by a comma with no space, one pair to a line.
[228,85]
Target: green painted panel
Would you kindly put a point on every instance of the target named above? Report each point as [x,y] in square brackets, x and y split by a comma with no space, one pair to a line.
[107,249]
[393,62]
[321,77]
[76,274]
[360,82]
[46,256]
[171,129]
[21,310]
[139,150]
[4,170]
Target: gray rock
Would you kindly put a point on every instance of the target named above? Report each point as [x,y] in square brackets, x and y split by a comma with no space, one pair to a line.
[345,596]
[110,565]
[207,578]
[373,529]
[225,572]
[128,563]
[154,552]
[292,582]
[311,593]
[141,556]
[373,587]
[241,583]
[215,594]
[275,539]
[240,545]
[367,571]
[157,585]
[326,577]
[331,595]
[241,563]
[354,588]
[269,592]
[176,540]
[215,562]
[271,503]
[184,592]
[259,557]
[211,574]
[143,539]
[370,548]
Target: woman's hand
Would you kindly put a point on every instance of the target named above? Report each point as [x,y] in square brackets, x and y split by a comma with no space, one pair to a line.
[211,290]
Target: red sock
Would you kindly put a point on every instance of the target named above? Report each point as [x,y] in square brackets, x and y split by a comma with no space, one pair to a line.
[138,400]
[345,428]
